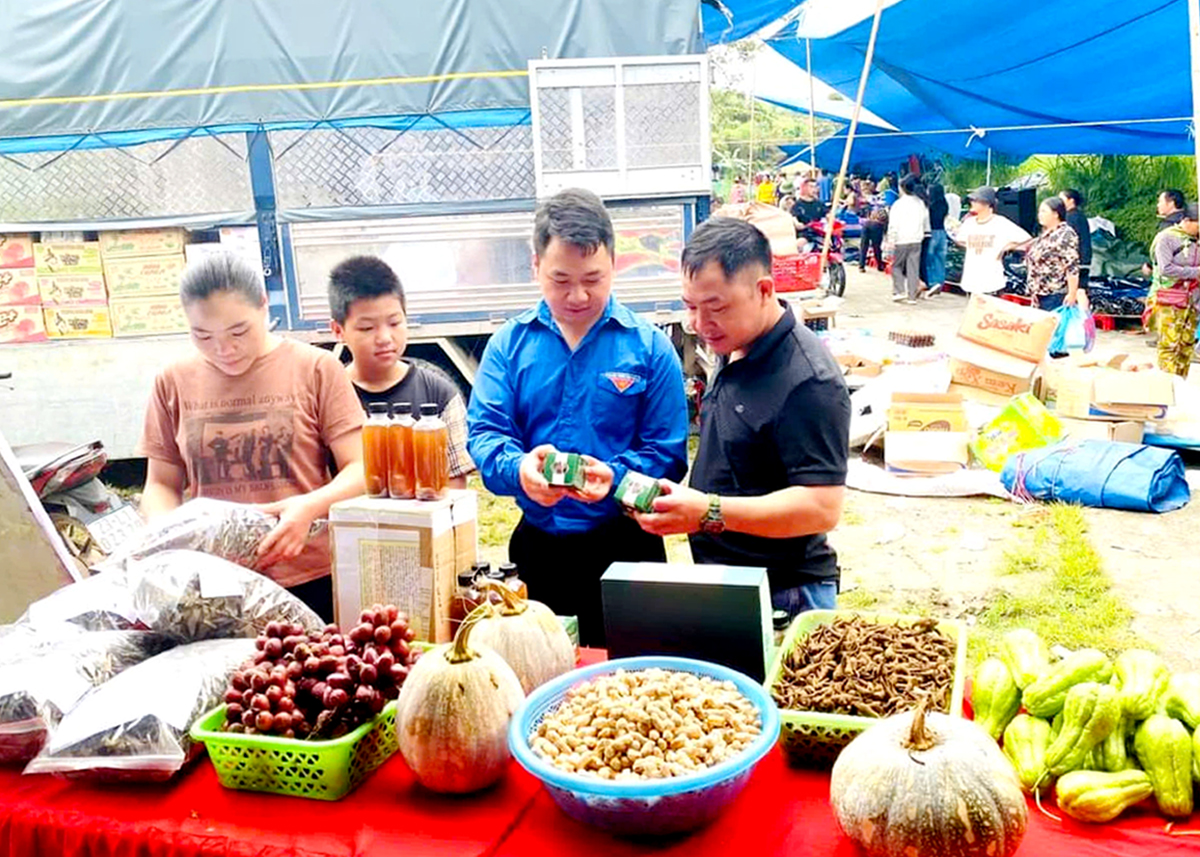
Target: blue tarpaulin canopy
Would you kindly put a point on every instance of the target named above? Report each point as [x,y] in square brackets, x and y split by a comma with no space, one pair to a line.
[877,152]
[93,73]
[1045,67]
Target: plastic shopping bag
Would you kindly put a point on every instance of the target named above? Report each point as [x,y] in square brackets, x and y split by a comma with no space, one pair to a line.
[1076,330]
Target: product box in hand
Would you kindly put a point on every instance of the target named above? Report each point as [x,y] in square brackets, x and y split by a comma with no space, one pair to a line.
[147,316]
[16,251]
[127,243]
[715,613]
[1023,424]
[78,322]
[927,412]
[402,552]
[1101,393]
[19,287]
[975,365]
[144,276]
[564,469]
[1020,331]
[21,324]
[74,258]
[637,491]
[72,289]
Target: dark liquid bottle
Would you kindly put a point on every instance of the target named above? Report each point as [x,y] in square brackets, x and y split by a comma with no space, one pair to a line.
[466,598]
[512,580]
[375,450]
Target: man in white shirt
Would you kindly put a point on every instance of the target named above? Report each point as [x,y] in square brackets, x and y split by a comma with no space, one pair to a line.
[987,236]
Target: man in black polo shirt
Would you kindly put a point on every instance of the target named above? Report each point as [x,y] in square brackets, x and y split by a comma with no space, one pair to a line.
[769,476]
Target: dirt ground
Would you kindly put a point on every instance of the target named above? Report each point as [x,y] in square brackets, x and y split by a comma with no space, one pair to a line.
[946,552]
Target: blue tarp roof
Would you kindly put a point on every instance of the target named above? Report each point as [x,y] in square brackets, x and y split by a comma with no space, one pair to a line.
[877,153]
[729,20]
[942,65]
[73,67]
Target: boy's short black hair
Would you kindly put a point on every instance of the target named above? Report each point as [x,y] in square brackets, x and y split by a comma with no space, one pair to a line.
[1075,196]
[361,278]
[576,217]
[733,244]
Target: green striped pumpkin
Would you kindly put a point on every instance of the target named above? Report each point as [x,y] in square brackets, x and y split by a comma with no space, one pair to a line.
[928,784]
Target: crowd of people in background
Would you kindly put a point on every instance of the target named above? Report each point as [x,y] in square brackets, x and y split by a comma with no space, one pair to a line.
[908,219]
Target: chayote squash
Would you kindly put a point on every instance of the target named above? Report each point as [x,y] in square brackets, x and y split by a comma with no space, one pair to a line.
[995,697]
[1045,697]
[1099,796]
[1025,741]
[1024,653]
[1164,749]
[1141,679]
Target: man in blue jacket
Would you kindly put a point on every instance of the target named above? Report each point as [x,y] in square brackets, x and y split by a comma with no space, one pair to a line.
[581,373]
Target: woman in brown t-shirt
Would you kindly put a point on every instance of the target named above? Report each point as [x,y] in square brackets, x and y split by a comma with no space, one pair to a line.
[253,418]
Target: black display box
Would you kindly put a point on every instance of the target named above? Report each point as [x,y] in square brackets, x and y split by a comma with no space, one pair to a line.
[715,613]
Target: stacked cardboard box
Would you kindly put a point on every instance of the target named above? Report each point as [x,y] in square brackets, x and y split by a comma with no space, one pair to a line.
[1109,398]
[927,434]
[143,269]
[20,304]
[1000,345]
[71,284]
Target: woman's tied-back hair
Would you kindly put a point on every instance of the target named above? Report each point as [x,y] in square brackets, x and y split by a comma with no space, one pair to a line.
[222,272]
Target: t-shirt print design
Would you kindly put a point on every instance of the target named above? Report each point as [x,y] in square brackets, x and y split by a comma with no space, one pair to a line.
[978,242]
[240,454]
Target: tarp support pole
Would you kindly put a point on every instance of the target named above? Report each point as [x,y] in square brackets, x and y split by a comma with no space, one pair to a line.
[1194,41]
[840,187]
[988,180]
[812,107]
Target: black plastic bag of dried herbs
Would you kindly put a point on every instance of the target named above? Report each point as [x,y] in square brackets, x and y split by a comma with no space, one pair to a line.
[135,726]
[37,690]
[192,596]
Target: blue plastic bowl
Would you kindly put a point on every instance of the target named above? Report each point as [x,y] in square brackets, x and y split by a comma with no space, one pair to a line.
[643,807]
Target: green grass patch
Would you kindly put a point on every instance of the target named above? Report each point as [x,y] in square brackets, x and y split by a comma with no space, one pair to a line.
[1067,600]
[498,516]
[857,599]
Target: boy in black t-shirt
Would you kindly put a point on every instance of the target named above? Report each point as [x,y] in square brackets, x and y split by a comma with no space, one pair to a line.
[366,302]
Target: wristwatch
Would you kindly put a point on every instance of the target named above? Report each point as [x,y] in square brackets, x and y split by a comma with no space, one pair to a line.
[712,522]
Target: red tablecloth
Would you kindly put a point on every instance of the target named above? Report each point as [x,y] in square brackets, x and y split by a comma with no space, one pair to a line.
[783,810]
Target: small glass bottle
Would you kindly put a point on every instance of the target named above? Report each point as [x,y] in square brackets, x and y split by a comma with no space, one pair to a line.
[466,598]
[375,450]
[780,621]
[402,476]
[512,580]
[430,440]
[494,575]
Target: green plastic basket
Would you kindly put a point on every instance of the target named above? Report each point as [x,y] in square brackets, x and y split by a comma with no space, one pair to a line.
[322,770]
[814,738]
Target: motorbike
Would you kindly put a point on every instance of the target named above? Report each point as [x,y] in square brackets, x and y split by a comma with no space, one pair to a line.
[89,517]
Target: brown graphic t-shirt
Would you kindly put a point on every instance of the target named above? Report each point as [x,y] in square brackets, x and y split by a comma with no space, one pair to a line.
[259,437]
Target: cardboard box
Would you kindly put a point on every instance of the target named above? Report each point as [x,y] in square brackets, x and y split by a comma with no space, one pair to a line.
[715,613]
[127,243]
[81,258]
[19,287]
[978,366]
[402,552]
[927,412]
[16,251]
[78,322]
[147,316]
[1023,424]
[21,324]
[145,276]
[859,366]
[1085,392]
[72,289]
[1128,431]
[1016,330]
[925,453]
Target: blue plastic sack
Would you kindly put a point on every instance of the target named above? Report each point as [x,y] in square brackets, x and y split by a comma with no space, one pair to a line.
[1076,330]
[1100,473]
